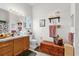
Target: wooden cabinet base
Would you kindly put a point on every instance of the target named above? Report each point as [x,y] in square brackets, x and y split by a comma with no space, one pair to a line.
[14,47]
[51,48]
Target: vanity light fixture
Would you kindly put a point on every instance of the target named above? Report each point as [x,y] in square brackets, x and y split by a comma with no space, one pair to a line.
[16,12]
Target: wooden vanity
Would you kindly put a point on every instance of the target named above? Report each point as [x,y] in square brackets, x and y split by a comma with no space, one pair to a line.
[14,46]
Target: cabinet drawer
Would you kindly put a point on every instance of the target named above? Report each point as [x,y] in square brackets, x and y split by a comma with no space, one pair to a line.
[44,48]
[6,47]
[26,43]
[18,46]
[8,53]
[61,52]
[6,42]
[54,51]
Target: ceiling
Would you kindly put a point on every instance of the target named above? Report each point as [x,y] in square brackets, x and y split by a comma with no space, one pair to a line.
[33,4]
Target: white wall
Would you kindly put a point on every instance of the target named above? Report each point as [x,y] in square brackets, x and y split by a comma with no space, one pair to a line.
[4,15]
[43,11]
[77,30]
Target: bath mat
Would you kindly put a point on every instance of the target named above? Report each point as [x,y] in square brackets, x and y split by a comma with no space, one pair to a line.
[27,53]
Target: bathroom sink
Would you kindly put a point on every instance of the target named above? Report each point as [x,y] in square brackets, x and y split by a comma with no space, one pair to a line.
[2,36]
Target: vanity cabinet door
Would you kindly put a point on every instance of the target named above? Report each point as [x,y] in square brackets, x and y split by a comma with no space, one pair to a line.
[26,43]
[21,44]
[61,52]
[18,46]
[54,51]
[44,48]
[6,48]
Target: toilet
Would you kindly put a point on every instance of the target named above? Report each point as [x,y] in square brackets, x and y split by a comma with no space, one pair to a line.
[33,42]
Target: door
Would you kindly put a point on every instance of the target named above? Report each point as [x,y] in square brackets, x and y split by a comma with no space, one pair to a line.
[26,43]
[18,46]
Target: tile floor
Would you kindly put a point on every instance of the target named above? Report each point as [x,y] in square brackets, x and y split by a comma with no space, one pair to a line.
[39,53]
[33,45]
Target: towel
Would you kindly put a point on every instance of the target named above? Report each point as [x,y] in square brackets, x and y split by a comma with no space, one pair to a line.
[52,30]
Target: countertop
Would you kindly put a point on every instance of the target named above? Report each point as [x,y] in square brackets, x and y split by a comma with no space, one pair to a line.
[11,38]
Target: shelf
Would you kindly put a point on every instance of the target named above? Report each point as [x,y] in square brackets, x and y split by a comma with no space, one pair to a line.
[52,18]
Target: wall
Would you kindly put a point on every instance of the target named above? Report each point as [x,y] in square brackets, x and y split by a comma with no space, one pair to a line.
[77,30]
[43,11]
[4,14]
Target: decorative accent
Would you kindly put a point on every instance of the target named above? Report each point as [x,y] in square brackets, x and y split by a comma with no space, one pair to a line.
[3,26]
[60,42]
[19,26]
[57,13]
[58,26]
[54,19]
[72,20]
[19,23]
[42,22]
[56,39]
[70,38]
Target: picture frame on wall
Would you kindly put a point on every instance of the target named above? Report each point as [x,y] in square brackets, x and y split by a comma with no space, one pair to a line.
[42,22]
